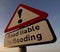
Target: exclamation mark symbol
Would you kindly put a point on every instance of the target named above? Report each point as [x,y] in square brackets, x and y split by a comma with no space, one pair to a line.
[19,13]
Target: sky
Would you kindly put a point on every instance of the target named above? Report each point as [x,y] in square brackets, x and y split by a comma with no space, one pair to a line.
[52,7]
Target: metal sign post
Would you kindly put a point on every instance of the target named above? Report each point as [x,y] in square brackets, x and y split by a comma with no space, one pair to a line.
[22,49]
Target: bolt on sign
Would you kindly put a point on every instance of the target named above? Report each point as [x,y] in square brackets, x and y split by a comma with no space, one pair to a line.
[38,33]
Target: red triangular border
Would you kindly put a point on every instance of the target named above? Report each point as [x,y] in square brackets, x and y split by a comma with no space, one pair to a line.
[42,15]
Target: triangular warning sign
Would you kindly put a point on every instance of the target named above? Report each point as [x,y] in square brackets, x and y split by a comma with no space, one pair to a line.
[23,16]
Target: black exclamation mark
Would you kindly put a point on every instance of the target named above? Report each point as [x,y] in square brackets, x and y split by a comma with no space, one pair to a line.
[19,13]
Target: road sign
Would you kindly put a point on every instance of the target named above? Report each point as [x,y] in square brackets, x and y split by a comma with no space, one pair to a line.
[37,33]
[23,16]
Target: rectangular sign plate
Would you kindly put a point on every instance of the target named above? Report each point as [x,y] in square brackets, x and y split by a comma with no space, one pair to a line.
[37,33]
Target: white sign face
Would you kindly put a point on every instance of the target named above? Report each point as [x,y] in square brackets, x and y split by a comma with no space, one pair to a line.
[38,33]
[26,15]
